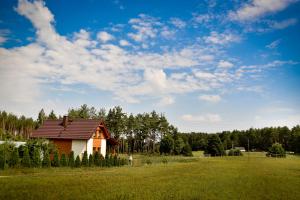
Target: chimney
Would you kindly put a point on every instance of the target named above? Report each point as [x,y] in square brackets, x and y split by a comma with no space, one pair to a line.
[65,121]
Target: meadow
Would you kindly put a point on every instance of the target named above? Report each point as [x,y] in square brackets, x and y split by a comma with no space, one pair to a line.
[251,176]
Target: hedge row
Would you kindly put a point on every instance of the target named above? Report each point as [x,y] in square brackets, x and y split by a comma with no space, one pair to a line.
[11,157]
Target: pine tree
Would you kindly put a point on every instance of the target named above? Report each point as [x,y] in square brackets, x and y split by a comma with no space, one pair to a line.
[71,159]
[14,160]
[91,160]
[46,159]
[36,161]
[85,161]
[26,158]
[63,160]
[77,162]
[55,161]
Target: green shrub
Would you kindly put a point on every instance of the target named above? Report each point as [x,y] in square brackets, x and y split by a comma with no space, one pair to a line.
[26,158]
[97,158]
[187,150]
[71,162]
[77,162]
[63,160]
[36,161]
[55,161]
[166,145]
[235,152]
[14,159]
[85,161]
[276,151]
[178,146]
[91,160]
[214,146]
[46,159]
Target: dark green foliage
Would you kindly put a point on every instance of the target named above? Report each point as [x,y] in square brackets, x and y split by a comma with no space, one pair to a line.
[36,160]
[115,160]
[235,152]
[14,160]
[91,160]
[55,161]
[63,160]
[166,145]
[77,162]
[276,151]
[85,161]
[214,146]
[97,158]
[46,159]
[26,158]
[187,150]
[178,146]
[71,159]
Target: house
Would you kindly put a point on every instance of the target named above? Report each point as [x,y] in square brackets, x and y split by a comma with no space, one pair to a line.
[242,149]
[77,135]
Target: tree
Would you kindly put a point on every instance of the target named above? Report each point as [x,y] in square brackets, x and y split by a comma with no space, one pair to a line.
[36,161]
[52,115]
[15,160]
[71,159]
[166,145]
[63,160]
[187,150]
[91,160]
[77,162]
[276,150]
[41,117]
[178,146]
[46,159]
[55,161]
[215,146]
[26,158]
[85,161]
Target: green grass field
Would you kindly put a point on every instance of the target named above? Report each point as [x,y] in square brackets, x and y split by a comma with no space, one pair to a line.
[253,177]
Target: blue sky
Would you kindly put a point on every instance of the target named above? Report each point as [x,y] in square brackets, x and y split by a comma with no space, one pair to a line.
[207,65]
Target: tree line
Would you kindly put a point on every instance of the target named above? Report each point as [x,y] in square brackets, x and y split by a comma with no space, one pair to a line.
[39,153]
[256,139]
[151,132]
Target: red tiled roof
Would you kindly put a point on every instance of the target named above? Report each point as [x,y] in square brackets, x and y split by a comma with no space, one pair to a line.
[76,129]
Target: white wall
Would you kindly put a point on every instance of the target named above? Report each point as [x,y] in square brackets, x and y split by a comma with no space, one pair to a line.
[89,145]
[79,146]
[103,147]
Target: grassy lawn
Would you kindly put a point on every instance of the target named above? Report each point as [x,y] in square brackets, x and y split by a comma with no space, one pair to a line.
[247,177]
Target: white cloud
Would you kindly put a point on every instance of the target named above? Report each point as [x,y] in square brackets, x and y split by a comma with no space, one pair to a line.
[146,27]
[257,8]
[206,118]
[225,64]
[274,44]
[104,36]
[129,76]
[124,43]
[282,24]
[177,22]
[221,38]
[210,98]
[165,101]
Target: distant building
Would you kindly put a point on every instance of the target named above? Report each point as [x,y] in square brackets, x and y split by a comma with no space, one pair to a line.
[77,135]
[242,149]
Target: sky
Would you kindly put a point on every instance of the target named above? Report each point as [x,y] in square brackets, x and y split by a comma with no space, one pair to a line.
[207,65]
